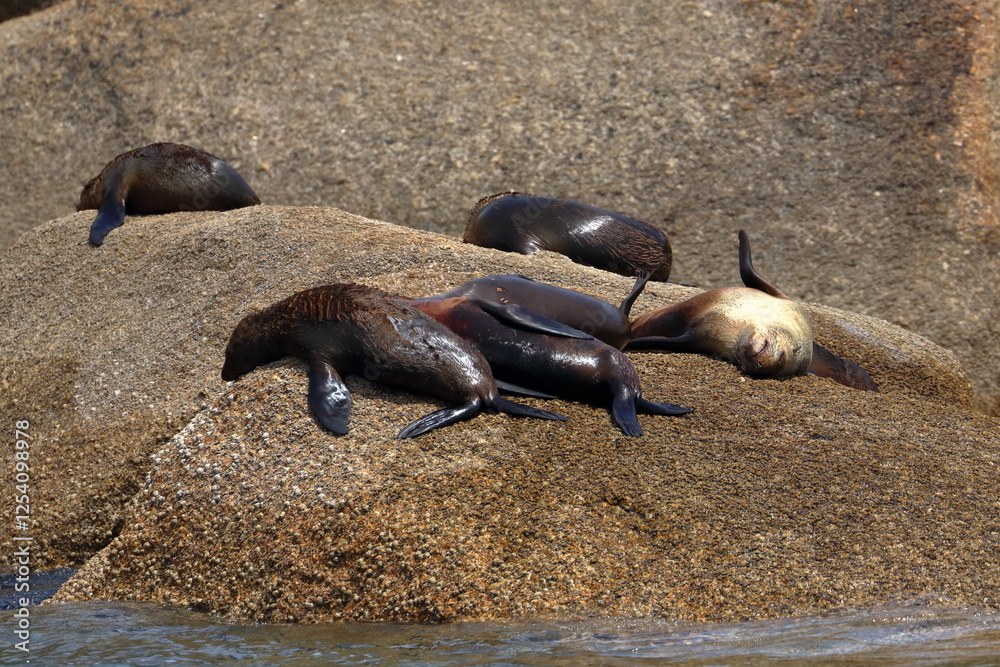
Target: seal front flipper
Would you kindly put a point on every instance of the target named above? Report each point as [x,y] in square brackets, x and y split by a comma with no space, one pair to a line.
[686,342]
[512,388]
[623,413]
[664,409]
[640,284]
[111,215]
[826,364]
[521,317]
[328,396]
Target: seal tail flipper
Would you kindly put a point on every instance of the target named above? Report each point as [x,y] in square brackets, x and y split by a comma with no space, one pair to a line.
[683,343]
[512,388]
[111,215]
[328,396]
[516,409]
[665,409]
[623,413]
[749,275]
[826,364]
[640,284]
[523,318]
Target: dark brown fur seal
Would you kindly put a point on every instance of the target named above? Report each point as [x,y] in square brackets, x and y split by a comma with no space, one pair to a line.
[530,362]
[757,327]
[346,328]
[516,222]
[578,310]
[162,178]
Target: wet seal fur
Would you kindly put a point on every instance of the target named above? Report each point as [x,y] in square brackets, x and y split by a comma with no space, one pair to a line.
[544,362]
[515,222]
[757,327]
[162,178]
[347,328]
[578,310]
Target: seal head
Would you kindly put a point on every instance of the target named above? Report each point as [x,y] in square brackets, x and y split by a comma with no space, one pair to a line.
[763,335]
[347,328]
[515,222]
[162,178]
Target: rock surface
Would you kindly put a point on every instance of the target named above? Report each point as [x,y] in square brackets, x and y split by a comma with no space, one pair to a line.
[773,498]
[856,141]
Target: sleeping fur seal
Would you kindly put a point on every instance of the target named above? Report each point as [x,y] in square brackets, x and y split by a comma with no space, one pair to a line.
[162,178]
[757,327]
[547,363]
[347,328]
[516,222]
[575,309]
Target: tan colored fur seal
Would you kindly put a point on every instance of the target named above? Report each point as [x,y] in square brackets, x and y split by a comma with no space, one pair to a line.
[756,327]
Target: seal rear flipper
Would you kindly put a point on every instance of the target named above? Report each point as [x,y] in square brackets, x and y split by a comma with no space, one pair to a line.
[749,275]
[328,396]
[826,364]
[441,418]
[640,284]
[111,215]
[516,409]
[521,317]
[512,388]
[623,413]
[686,342]
[664,409]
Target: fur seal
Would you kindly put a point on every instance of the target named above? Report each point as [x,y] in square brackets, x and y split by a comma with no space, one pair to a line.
[348,328]
[757,327]
[578,310]
[162,178]
[539,362]
[516,222]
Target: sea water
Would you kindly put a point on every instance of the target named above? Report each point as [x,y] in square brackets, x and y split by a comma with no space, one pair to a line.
[122,634]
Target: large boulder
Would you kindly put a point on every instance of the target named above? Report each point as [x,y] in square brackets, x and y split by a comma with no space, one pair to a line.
[856,141]
[774,497]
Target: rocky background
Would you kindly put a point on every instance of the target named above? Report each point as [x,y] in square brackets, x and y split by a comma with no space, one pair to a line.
[772,498]
[857,141]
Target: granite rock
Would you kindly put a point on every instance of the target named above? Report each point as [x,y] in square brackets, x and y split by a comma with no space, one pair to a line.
[773,498]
